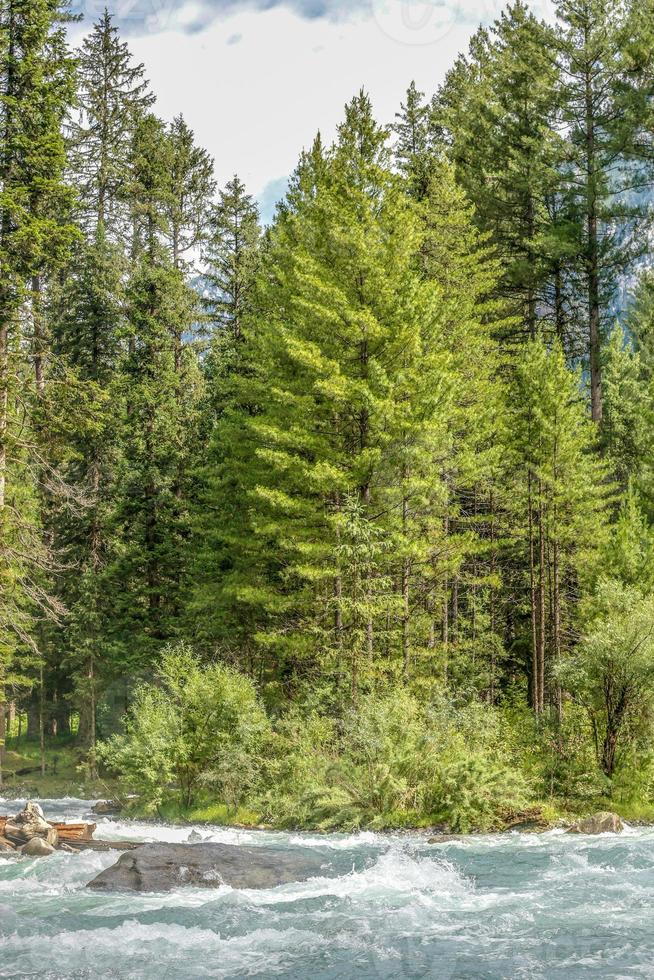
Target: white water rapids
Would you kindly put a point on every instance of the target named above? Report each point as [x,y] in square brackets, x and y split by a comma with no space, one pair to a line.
[544,906]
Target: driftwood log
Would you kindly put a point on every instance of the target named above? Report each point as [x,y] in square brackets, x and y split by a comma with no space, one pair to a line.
[17,832]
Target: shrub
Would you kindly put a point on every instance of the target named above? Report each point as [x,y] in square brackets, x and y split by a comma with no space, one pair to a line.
[197,726]
[391,761]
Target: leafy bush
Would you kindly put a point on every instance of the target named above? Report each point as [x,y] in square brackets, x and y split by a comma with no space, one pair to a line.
[301,750]
[472,792]
[200,736]
[392,761]
[612,671]
[197,726]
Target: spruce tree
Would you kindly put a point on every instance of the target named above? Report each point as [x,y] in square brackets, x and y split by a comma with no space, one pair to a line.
[600,115]
[626,409]
[157,388]
[231,255]
[341,464]
[559,495]
[457,260]
[89,339]
[413,150]
[36,80]
[495,117]
[112,95]
[220,519]
[191,185]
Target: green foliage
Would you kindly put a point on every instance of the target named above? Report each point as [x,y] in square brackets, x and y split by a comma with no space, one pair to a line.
[469,794]
[382,465]
[391,761]
[494,118]
[196,727]
[612,670]
[111,95]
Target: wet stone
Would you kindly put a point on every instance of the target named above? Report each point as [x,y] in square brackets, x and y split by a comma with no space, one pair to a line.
[37,847]
[599,823]
[164,867]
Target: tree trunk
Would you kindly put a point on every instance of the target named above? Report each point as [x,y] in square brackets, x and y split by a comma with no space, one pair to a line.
[533,606]
[556,625]
[4,405]
[38,339]
[3,735]
[33,715]
[541,600]
[592,259]
[92,717]
[406,571]
[42,720]
[492,603]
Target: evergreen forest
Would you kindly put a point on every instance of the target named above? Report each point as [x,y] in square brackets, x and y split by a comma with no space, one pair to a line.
[348,520]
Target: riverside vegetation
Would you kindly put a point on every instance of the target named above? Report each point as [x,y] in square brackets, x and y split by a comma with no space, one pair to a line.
[348,521]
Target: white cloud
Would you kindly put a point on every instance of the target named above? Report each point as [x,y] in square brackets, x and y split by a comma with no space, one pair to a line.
[144,16]
[257,103]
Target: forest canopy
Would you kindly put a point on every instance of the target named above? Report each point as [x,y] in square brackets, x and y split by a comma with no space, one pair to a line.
[369,490]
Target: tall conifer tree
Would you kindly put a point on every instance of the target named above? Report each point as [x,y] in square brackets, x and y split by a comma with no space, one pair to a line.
[36,79]
[112,95]
[495,117]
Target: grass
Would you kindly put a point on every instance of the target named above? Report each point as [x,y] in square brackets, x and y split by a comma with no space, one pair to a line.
[633,811]
[207,812]
[65,775]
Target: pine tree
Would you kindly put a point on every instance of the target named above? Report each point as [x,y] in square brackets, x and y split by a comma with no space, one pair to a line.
[150,525]
[458,260]
[36,79]
[628,555]
[413,150]
[601,118]
[157,389]
[626,409]
[112,95]
[191,185]
[231,256]
[341,462]
[495,117]
[185,203]
[640,323]
[89,339]
[559,496]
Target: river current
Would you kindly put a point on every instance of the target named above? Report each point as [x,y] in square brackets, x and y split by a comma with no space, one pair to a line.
[499,906]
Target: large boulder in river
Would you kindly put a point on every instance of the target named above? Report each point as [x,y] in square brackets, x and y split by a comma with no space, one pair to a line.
[604,822]
[30,823]
[164,867]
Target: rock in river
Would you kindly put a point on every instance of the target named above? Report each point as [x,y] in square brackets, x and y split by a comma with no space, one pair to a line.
[106,807]
[164,867]
[30,823]
[37,847]
[600,823]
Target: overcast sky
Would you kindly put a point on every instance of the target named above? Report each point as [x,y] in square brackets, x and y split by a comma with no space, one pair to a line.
[256,79]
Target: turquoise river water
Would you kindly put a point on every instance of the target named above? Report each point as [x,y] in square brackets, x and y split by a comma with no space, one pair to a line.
[499,906]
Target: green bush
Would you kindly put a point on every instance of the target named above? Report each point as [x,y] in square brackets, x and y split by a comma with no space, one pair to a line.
[391,761]
[198,737]
[198,727]
[474,792]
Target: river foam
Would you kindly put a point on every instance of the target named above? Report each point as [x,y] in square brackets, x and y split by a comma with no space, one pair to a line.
[500,906]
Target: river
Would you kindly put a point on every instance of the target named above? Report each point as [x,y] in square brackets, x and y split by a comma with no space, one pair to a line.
[499,906]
